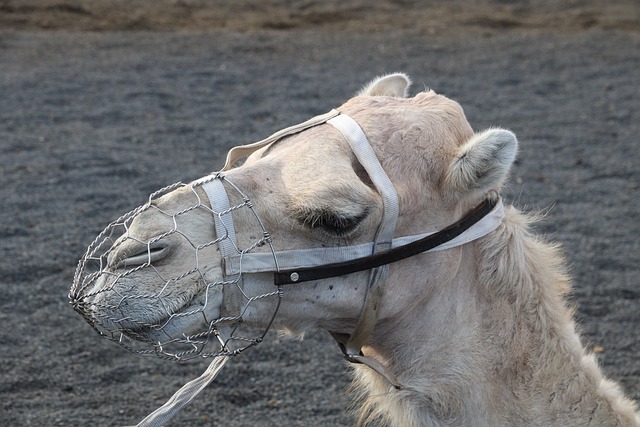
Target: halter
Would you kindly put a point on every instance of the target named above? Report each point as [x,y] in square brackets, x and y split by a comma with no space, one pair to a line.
[94,278]
[297,266]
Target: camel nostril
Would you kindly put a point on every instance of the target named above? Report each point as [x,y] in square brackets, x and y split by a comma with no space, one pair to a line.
[146,255]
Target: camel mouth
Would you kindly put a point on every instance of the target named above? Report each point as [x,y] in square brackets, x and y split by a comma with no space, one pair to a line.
[190,320]
[172,315]
[185,332]
[117,307]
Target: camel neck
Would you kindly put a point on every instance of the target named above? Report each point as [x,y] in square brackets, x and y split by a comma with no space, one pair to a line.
[499,346]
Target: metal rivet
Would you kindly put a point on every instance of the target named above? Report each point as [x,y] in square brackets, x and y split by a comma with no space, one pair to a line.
[294,277]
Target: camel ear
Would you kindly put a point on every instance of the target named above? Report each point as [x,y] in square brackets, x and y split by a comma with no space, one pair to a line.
[483,162]
[395,85]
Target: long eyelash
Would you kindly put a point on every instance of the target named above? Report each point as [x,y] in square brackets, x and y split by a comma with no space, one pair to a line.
[330,220]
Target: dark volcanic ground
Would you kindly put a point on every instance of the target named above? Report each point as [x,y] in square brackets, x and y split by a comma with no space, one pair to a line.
[92,122]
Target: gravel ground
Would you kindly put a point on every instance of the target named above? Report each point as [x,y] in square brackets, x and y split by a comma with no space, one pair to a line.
[92,122]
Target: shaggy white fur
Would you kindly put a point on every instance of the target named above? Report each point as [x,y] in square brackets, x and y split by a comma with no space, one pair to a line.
[522,363]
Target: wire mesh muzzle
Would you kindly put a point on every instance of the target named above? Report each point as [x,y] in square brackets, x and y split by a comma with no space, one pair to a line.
[168,298]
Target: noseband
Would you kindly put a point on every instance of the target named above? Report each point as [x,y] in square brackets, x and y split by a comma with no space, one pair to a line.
[297,266]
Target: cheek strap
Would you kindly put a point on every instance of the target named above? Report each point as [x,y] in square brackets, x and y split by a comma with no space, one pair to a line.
[352,345]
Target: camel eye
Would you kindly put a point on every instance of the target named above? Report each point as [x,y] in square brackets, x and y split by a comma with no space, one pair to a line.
[333,223]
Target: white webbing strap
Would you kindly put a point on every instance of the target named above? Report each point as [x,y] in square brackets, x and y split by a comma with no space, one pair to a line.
[225,231]
[226,235]
[368,318]
[361,147]
[184,395]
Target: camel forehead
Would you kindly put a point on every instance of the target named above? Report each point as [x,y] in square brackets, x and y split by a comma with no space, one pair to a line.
[380,117]
[441,119]
[423,100]
[436,114]
[318,166]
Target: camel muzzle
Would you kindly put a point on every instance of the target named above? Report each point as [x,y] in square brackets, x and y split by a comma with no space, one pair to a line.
[188,314]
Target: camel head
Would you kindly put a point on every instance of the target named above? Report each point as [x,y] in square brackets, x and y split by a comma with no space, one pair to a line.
[186,272]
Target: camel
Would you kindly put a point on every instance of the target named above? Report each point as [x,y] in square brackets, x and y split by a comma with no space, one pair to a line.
[474,333]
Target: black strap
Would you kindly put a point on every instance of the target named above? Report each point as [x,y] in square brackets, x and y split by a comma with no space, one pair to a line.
[293,276]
